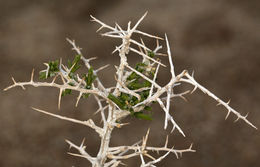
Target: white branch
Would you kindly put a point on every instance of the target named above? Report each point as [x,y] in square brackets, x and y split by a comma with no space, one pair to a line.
[192,81]
[88,123]
[82,151]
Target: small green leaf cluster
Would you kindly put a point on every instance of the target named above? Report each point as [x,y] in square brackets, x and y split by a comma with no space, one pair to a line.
[73,66]
[134,82]
[123,103]
[52,70]
[89,79]
[151,54]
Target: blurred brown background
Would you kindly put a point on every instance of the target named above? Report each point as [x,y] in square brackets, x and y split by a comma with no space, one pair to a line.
[219,40]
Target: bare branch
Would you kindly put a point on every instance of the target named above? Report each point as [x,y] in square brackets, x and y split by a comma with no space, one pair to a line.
[88,123]
[192,81]
[82,152]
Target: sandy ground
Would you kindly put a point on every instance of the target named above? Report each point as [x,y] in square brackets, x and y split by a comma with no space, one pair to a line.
[219,40]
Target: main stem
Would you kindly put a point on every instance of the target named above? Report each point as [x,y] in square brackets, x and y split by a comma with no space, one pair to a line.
[108,126]
[105,140]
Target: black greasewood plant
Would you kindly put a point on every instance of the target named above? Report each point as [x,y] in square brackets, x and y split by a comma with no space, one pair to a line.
[134,94]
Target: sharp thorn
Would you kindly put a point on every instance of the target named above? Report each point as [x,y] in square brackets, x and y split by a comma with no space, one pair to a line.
[227,114]
[237,119]
[32,75]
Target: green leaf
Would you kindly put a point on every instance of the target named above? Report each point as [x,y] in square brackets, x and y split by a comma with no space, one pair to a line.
[144,94]
[151,54]
[42,75]
[147,84]
[152,73]
[133,101]
[53,69]
[69,64]
[66,92]
[85,95]
[76,61]
[140,67]
[117,101]
[148,108]
[134,85]
[89,78]
[54,66]
[132,76]
[124,97]
[74,66]
[141,115]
